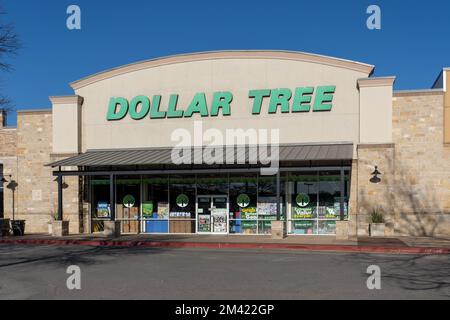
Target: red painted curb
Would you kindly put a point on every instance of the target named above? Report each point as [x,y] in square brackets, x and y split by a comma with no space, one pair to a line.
[163,244]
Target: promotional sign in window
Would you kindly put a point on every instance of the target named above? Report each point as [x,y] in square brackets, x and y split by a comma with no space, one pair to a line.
[103,210]
[249,213]
[219,220]
[267,206]
[147,209]
[163,210]
[204,223]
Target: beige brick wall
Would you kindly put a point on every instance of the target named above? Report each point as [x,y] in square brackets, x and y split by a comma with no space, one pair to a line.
[8,140]
[414,192]
[372,196]
[422,165]
[36,194]
[8,159]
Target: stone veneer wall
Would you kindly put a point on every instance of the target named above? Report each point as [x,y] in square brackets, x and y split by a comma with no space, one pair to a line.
[36,194]
[372,196]
[414,192]
[8,159]
[422,165]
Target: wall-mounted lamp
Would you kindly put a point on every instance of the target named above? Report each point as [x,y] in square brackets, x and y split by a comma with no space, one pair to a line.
[64,184]
[375,174]
[3,180]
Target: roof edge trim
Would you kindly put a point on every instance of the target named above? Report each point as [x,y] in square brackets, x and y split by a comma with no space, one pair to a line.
[213,55]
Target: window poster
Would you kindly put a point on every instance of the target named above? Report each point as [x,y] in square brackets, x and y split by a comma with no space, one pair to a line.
[267,206]
[147,209]
[103,210]
[302,213]
[303,227]
[163,210]
[219,220]
[249,213]
[204,223]
[180,214]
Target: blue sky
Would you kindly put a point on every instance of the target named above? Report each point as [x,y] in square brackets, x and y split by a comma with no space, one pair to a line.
[412,44]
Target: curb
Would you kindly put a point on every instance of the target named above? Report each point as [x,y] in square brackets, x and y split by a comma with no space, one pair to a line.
[163,244]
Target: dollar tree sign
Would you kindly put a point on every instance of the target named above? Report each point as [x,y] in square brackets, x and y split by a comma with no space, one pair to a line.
[302,200]
[128,201]
[182,201]
[243,200]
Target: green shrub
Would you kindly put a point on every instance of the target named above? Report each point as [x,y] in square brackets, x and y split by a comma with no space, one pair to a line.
[376,216]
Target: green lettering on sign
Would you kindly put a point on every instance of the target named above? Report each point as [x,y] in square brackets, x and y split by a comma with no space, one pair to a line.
[155,113]
[324,98]
[221,100]
[198,105]
[144,102]
[302,99]
[258,96]
[280,97]
[113,113]
[172,111]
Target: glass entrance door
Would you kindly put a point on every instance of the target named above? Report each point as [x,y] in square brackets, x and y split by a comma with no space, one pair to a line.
[212,214]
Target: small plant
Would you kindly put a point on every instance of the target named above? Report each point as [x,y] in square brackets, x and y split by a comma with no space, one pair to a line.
[54,217]
[376,216]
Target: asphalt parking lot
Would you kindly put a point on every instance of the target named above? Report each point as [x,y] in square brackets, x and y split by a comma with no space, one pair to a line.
[39,272]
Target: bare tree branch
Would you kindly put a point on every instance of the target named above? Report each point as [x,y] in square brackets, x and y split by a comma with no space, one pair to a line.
[9,46]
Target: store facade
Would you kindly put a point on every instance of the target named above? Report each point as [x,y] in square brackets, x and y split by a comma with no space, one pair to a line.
[229,142]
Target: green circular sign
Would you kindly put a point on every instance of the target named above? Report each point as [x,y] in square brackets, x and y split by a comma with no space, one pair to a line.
[129,201]
[302,200]
[182,201]
[243,200]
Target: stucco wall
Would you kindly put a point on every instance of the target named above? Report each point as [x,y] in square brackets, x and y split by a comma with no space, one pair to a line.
[235,75]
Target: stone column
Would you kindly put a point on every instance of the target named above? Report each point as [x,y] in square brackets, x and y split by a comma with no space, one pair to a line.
[60,228]
[278,230]
[112,229]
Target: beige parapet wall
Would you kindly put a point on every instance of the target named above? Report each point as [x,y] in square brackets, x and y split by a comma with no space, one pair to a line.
[375,103]
[447,106]
[236,72]
[66,119]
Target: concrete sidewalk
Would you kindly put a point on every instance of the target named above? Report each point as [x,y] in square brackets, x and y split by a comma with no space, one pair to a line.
[412,245]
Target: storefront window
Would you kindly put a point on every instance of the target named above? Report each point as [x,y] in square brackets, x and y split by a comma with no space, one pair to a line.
[128,202]
[100,204]
[246,203]
[329,201]
[155,204]
[267,202]
[182,200]
[315,201]
[302,189]
[243,204]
